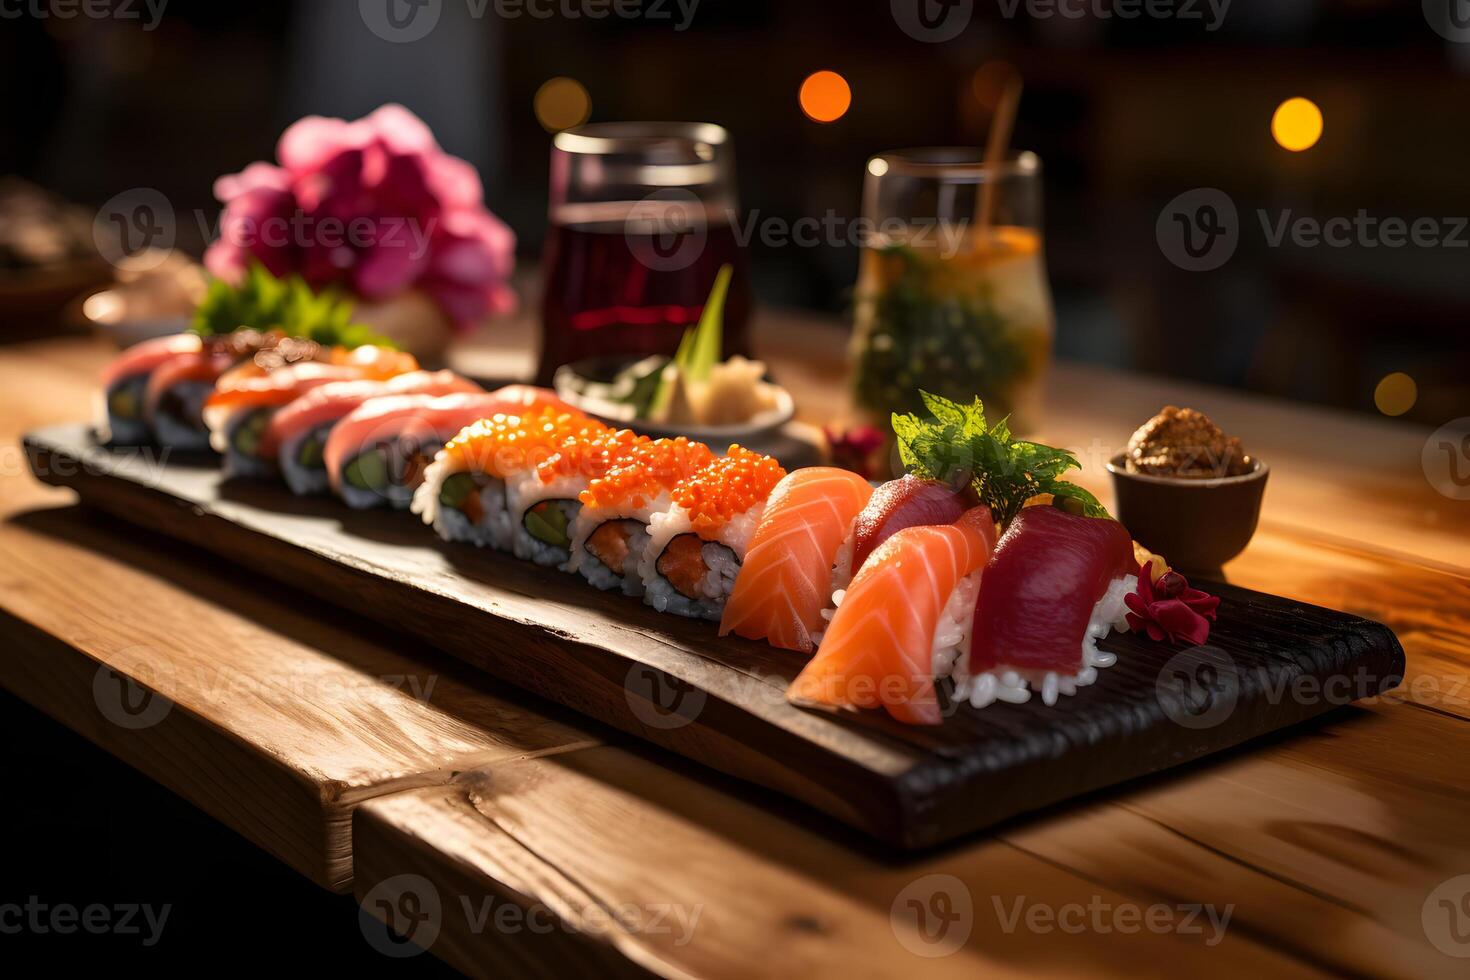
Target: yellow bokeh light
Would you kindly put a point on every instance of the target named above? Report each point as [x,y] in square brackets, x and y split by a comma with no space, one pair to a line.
[877,166]
[562,103]
[1297,124]
[825,96]
[1395,394]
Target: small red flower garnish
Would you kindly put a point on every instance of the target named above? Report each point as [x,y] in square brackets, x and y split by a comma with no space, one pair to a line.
[1169,608]
[855,448]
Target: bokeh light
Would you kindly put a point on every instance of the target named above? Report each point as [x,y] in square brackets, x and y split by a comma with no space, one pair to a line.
[562,103]
[1297,124]
[1395,394]
[825,96]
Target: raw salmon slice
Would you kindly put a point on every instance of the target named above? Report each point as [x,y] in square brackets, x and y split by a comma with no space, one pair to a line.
[785,582]
[878,652]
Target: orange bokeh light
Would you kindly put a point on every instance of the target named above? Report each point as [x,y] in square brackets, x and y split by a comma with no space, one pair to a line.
[825,96]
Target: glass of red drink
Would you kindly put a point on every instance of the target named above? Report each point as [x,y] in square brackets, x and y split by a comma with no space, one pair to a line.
[642,217]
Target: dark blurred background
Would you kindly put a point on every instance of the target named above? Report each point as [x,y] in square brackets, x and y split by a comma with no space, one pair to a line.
[1126,114]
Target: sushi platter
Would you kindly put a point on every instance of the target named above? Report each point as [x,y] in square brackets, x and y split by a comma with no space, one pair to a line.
[945,759]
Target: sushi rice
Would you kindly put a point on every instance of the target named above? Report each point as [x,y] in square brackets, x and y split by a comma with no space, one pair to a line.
[722,558]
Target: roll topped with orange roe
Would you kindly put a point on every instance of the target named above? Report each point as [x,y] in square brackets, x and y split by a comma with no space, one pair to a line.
[611,530]
[467,491]
[696,546]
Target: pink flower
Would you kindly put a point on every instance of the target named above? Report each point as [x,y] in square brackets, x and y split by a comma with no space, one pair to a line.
[1169,608]
[373,205]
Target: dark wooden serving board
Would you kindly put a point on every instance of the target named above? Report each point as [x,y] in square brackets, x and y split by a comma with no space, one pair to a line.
[1270,663]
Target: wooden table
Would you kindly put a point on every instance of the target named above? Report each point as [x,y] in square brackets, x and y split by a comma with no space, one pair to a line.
[509,835]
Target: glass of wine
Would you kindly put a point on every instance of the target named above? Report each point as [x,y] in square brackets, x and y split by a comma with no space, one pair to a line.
[952,292]
[642,217]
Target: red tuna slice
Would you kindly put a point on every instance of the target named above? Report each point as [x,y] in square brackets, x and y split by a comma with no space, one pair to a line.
[1047,573]
[906,502]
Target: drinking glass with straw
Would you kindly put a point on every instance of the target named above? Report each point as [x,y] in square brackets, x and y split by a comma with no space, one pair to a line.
[952,291]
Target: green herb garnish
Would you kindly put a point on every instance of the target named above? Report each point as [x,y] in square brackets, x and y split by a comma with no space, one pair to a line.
[699,350]
[956,445]
[263,302]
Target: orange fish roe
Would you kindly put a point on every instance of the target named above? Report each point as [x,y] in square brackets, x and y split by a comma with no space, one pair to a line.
[646,472]
[727,488]
[589,457]
[503,444]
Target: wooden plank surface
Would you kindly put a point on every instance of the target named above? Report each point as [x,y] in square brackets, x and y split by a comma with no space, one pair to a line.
[270,713]
[600,653]
[1330,842]
[1305,870]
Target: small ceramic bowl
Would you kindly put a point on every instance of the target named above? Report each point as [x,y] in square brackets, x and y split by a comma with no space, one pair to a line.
[1196,524]
[748,434]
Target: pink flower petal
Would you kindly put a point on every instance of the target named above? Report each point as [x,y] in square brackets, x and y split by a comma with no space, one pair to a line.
[310,141]
[400,130]
[388,267]
[257,175]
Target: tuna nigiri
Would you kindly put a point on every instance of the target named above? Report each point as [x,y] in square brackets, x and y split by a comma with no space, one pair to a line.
[784,583]
[297,434]
[1054,588]
[901,622]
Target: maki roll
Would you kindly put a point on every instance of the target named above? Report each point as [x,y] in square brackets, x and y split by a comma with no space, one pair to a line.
[237,415]
[174,397]
[296,435]
[125,383]
[1056,585]
[463,496]
[544,501]
[249,395]
[696,546]
[378,453]
[783,586]
[902,622]
[610,533]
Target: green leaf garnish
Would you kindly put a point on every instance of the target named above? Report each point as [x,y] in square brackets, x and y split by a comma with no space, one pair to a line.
[699,349]
[956,445]
[263,302]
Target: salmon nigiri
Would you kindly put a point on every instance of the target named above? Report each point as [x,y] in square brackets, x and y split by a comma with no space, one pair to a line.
[901,622]
[785,582]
